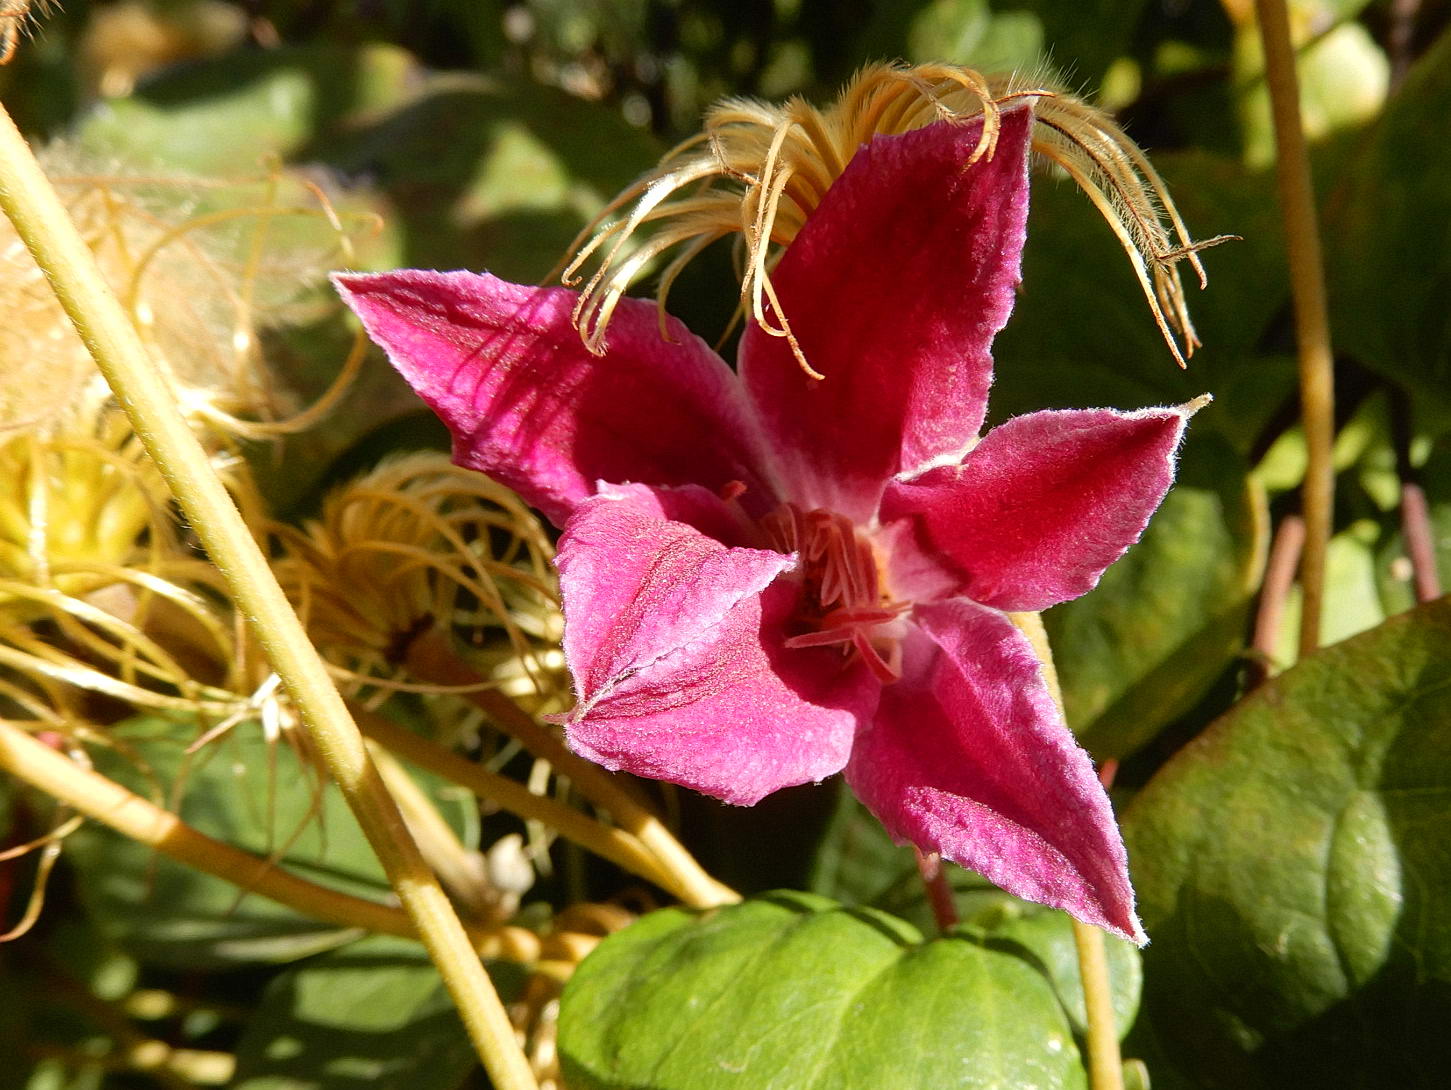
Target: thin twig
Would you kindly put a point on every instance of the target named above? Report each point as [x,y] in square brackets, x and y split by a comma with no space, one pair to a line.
[1312,321]
[430,658]
[41,221]
[32,762]
[616,845]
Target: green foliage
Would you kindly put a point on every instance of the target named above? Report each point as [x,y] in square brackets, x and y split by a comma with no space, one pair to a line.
[792,990]
[1294,872]
[373,1013]
[1388,241]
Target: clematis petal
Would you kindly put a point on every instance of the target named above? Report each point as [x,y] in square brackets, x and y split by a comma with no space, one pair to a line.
[528,405]
[969,757]
[1041,506]
[894,289]
[677,647]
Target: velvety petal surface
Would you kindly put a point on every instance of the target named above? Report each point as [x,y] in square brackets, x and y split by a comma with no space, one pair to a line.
[1041,506]
[527,404]
[895,289]
[968,756]
[676,645]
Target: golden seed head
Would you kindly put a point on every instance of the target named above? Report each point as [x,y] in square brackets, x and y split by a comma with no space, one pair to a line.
[757,171]
[415,542]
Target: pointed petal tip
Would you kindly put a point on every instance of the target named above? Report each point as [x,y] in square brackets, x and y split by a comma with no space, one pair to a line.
[1189,408]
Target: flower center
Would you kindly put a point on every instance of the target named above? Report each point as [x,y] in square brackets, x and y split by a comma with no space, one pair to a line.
[843,600]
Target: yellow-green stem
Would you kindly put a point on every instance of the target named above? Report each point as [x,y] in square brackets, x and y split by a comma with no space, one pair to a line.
[41,221]
[32,762]
[432,659]
[1312,317]
[1105,1062]
[616,845]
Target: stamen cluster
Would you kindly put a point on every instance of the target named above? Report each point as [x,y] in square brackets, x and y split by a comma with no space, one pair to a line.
[843,601]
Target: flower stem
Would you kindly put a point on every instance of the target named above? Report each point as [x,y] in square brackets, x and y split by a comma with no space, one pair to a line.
[41,221]
[1312,320]
[1105,1063]
[33,762]
[616,845]
[431,659]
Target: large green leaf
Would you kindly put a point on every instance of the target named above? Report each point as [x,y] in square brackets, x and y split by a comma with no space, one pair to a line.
[1295,877]
[1388,243]
[858,865]
[1166,619]
[254,795]
[794,991]
[374,1014]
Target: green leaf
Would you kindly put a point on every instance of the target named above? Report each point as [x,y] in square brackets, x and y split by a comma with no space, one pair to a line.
[1164,622]
[1388,241]
[793,991]
[256,796]
[493,174]
[374,1014]
[1294,877]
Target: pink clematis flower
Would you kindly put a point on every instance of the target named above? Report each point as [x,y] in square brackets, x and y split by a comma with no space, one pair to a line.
[769,579]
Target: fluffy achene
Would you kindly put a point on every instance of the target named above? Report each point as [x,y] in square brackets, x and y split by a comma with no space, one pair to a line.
[768,579]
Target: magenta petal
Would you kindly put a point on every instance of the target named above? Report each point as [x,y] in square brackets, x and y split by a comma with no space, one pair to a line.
[677,647]
[528,405]
[895,289]
[1043,504]
[969,757]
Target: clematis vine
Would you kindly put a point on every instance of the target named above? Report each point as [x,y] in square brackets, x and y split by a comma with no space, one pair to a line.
[768,579]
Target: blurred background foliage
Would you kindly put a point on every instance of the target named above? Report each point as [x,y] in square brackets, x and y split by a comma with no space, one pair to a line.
[482,134]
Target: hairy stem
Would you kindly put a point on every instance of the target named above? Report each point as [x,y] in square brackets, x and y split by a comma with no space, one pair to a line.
[33,762]
[430,658]
[1105,1062]
[41,221]
[1312,320]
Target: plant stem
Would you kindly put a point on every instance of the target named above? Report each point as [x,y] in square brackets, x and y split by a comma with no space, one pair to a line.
[616,845]
[41,221]
[33,762]
[1312,320]
[1105,1062]
[430,658]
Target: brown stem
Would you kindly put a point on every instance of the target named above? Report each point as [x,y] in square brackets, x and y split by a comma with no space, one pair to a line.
[1312,322]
